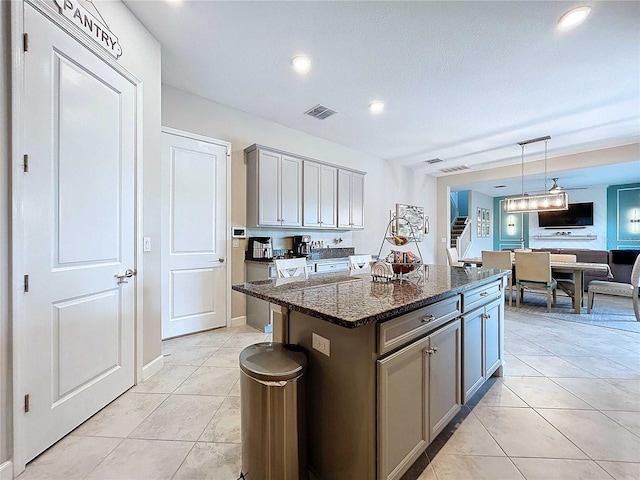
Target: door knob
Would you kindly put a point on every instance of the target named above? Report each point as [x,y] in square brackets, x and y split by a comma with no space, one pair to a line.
[128,273]
[221,259]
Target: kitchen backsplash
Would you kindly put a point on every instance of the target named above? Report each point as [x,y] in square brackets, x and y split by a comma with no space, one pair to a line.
[282,238]
[326,253]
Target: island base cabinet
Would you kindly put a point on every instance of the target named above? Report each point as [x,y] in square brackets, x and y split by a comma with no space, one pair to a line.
[445,374]
[482,353]
[418,394]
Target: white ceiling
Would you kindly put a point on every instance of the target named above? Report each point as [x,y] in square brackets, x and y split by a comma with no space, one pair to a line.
[462,81]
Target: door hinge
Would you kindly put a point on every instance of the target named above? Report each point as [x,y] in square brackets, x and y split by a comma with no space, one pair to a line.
[25,42]
[25,164]
[26,403]
[26,283]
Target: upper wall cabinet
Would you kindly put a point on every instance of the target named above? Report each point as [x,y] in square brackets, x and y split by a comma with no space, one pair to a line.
[320,195]
[350,199]
[274,189]
[286,190]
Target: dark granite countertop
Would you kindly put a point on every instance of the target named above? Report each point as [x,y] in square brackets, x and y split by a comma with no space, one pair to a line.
[353,301]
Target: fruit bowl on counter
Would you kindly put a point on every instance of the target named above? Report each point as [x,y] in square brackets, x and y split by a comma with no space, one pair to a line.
[403,262]
[401,268]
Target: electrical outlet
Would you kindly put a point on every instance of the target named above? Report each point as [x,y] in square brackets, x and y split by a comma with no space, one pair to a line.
[321,344]
[443,239]
[236,243]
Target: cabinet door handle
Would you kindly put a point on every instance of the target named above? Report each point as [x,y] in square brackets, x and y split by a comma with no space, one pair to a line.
[431,351]
[428,319]
[484,294]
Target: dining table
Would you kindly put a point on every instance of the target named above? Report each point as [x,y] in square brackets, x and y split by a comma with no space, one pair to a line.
[576,269]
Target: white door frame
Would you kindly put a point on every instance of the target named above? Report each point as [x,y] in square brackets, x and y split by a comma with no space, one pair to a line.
[18,252]
[227,145]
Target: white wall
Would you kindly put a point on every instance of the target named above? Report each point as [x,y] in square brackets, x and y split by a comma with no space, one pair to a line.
[480,200]
[597,195]
[384,185]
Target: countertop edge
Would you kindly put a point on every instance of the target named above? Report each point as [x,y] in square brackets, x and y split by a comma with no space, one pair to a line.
[380,317]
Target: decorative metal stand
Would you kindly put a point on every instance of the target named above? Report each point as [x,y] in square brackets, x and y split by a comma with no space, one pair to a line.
[399,233]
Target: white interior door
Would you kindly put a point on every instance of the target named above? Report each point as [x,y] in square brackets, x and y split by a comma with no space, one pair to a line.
[76,350]
[194,235]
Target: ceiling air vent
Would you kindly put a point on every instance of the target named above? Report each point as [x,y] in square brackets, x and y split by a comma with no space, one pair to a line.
[455,169]
[320,112]
[433,160]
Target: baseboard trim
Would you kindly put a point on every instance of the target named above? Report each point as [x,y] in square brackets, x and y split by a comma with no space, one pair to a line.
[237,321]
[6,471]
[152,367]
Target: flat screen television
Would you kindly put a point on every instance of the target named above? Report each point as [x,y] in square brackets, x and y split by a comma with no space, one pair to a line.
[578,215]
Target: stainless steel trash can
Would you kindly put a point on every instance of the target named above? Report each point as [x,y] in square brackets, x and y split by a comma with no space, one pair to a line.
[272,412]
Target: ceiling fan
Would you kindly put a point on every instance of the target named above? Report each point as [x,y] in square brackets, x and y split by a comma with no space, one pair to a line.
[555,188]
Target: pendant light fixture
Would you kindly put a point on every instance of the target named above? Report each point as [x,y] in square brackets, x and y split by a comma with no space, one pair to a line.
[537,202]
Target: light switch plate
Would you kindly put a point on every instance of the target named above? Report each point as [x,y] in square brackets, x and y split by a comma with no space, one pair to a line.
[146,244]
[321,344]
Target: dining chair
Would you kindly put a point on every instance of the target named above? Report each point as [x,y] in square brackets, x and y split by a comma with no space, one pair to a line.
[565,280]
[618,288]
[501,260]
[291,267]
[359,263]
[533,272]
[452,257]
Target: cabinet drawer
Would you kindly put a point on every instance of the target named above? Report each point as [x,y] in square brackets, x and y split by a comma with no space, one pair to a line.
[399,331]
[480,296]
[331,267]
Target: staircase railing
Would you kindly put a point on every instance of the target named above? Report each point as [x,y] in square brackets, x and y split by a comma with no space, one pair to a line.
[463,242]
[453,210]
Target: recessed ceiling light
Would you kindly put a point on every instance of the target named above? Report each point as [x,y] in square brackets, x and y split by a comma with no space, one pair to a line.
[173,2]
[376,107]
[573,18]
[301,63]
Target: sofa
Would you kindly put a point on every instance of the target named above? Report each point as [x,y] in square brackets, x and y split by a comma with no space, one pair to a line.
[585,255]
[621,263]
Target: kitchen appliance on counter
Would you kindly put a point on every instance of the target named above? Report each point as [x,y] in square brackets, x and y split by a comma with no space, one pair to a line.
[302,245]
[259,248]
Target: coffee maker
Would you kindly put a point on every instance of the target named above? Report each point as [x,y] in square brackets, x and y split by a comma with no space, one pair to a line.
[302,245]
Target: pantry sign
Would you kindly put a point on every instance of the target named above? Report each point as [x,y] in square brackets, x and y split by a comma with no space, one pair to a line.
[90,25]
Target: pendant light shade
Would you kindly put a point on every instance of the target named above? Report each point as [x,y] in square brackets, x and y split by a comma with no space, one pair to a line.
[539,202]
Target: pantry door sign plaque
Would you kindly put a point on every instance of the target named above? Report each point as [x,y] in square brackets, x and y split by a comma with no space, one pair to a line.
[88,23]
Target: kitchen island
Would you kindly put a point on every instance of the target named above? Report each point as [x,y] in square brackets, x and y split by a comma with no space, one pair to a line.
[390,364]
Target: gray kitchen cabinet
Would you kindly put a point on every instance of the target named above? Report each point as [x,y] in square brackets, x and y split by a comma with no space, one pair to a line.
[491,325]
[274,188]
[445,374]
[320,195]
[481,337]
[472,366]
[418,394]
[258,312]
[350,199]
[331,266]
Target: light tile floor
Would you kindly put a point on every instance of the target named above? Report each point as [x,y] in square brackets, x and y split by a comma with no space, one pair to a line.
[568,408]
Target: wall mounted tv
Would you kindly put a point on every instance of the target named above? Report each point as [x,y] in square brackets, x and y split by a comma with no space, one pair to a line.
[578,215]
